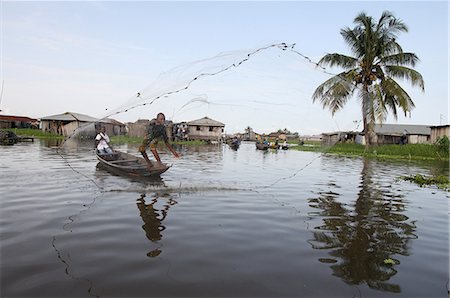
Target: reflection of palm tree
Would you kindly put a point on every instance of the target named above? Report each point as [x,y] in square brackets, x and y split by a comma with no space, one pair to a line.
[153,220]
[360,240]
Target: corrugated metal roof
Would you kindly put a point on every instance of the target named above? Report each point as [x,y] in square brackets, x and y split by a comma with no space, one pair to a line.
[205,121]
[398,129]
[111,121]
[16,118]
[70,116]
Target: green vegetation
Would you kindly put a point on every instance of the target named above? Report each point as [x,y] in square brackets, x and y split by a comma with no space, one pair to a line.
[441,182]
[443,145]
[409,151]
[118,140]
[37,133]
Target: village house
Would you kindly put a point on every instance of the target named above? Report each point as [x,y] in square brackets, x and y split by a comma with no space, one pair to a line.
[392,133]
[67,123]
[249,134]
[385,134]
[7,121]
[438,132]
[205,129]
[331,138]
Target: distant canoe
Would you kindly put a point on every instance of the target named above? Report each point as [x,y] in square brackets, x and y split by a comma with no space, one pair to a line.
[127,164]
[262,146]
[234,144]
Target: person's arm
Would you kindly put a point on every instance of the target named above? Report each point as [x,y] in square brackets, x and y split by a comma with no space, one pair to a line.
[171,149]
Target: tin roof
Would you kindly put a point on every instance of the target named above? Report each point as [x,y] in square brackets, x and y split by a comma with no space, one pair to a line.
[16,118]
[70,116]
[398,129]
[205,121]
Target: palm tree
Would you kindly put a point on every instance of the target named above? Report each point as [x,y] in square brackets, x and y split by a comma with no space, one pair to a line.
[378,60]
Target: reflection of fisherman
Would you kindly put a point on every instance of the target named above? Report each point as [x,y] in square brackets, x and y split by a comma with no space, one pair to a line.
[152,220]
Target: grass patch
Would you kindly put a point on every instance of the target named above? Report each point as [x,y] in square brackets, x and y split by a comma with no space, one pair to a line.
[119,140]
[37,133]
[409,151]
[441,182]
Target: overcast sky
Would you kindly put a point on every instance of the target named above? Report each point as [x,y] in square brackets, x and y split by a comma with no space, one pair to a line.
[94,57]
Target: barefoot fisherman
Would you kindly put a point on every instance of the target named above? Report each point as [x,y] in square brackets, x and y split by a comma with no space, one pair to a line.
[156,132]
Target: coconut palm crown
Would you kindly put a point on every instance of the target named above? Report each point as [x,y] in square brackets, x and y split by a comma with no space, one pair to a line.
[378,60]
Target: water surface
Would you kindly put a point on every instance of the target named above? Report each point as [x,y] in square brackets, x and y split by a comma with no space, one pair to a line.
[219,223]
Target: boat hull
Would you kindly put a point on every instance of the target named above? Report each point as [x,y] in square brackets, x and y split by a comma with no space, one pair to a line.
[122,163]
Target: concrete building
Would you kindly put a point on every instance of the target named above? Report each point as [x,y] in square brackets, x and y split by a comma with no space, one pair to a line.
[205,129]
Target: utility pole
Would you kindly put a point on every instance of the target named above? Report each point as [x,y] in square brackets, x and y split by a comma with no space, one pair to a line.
[1,95]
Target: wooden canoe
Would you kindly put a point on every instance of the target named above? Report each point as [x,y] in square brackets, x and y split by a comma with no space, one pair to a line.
[262,146]
[127,164]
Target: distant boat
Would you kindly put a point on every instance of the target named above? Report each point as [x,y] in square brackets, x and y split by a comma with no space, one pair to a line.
[8,137]
[262,146]
[234,144]
[127,164]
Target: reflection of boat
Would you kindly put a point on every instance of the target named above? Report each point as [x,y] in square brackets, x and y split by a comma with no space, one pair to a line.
[124,163]
[262,146]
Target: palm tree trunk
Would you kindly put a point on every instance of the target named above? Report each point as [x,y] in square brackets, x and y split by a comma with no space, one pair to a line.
[365,115]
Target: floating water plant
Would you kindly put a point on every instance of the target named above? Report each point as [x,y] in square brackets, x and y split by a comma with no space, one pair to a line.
[441,181]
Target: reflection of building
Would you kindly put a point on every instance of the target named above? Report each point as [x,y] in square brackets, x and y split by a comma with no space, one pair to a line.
[205,129]
[67,123]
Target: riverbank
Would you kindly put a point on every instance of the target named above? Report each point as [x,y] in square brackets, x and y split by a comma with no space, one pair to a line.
[35,133]
[409,151]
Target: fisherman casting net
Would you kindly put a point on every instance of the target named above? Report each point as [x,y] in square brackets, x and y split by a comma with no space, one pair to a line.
[267,89]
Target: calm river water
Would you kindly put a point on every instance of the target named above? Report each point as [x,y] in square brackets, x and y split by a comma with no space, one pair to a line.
[220,223]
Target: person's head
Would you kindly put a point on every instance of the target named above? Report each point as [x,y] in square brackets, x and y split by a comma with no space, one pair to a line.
[102,129]
[160,118]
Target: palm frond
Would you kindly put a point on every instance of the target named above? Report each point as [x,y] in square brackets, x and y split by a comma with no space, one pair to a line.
[352,38]
[395,94]
[380,111]
[408,59]
[335,92]
[402,72]
[335,59]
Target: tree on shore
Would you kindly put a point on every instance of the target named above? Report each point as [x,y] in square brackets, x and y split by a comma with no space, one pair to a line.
[377,61]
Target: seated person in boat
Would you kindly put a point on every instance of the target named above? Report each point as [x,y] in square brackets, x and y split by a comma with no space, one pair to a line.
[102,141]
[156,132]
